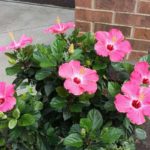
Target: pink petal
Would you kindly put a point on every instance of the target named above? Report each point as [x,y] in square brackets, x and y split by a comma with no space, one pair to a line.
[59,28]
[102,36]
[136,116]
[122,103]
[120,52]
[8,104]
[12,46]
[146,110]
[25,40]
[117,34]
[9,90]
[65,70]
[69,25]
[124,46]
[73,88]
[116,56]
[89,86]
[3,48]
[2,89]
[136,77]
[130,89]
[76,66]
[142,68]
[145,92]
[55,29]
[101,49]
[91,75]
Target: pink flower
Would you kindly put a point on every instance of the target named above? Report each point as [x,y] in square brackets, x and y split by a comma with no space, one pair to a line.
[14,45]
[112,44]
[141,74]
[7,101]
[59,28]
[135,102]
[78,78]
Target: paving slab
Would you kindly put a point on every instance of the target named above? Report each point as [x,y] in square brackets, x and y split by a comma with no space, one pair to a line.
[28,19]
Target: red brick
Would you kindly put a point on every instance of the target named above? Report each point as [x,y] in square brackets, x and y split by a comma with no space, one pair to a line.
[93,16]
[135,56]
[83,26]
[133,19]
[83,3]
[144,7]
[140,45]
[106,27]
[141,33]
[117,5]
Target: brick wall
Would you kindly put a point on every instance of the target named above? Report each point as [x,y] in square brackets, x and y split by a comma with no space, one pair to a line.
[132,17]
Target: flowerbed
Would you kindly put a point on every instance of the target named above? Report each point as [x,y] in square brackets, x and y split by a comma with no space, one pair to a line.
[78,93]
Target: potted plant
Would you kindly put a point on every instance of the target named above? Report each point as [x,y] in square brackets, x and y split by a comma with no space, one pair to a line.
[74,94]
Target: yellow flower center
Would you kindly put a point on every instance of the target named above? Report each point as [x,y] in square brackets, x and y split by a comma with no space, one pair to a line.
[141,97]
[114,39]
[82,70]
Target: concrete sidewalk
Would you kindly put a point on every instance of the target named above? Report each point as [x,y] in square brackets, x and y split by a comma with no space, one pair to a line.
[27,19]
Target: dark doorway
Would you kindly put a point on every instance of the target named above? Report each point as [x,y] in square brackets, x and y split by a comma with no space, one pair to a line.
[64,3]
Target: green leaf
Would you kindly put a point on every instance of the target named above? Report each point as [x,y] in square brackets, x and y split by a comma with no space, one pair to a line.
[42,74]
[2,142]
[61,91]
[86,123]
[84,98]
[128,125]
[58,103]
[13,70]
[48,88]
[76,107]
[44,57]
[77,55]
[73,140]
[11,55]
[11,58]
[21,104]
[40,143]
[99,66]
[128,67]
[50,131]
[16,113]
[3,124]
[50,62]
[117,66]
[145,58]
[109,106]
[2,115]
[96,119]
[75,129]
[110,135]
[26,120]
[66,115]
[12,123]
[140,134]
[113,88]
[125,66]
[38,105]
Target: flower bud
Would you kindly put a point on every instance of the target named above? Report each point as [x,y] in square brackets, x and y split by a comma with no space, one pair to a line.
[71,49]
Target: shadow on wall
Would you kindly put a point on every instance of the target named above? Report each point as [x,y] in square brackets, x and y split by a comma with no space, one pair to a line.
[64,3]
